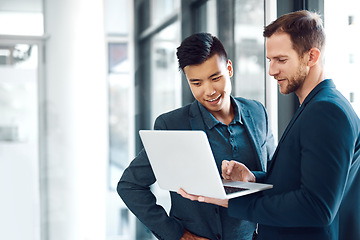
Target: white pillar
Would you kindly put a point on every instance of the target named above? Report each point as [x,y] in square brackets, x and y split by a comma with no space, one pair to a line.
[76,97]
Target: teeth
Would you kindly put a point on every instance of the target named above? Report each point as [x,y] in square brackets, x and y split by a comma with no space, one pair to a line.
[212,100]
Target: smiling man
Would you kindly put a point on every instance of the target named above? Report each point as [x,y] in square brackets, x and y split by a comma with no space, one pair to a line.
[210,85]
[237,129]
[315,169]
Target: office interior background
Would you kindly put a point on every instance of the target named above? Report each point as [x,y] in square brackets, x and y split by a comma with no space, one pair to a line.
[78,79]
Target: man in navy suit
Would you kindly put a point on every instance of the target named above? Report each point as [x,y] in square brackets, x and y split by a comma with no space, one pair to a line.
[315,168]
[237,129]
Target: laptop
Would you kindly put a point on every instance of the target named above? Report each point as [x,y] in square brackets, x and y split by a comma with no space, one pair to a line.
[183,159]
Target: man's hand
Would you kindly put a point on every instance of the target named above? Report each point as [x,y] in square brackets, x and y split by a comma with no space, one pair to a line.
[235,171]
[220,202]
[189,236]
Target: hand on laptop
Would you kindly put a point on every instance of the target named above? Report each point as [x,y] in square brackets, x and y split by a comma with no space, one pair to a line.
[235,171]
[189,236]
[220,202]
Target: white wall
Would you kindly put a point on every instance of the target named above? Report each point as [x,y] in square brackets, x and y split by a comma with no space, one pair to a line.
[76,98]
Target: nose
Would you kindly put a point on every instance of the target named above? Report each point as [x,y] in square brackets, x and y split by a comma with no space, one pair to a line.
[273,70]
[210,90]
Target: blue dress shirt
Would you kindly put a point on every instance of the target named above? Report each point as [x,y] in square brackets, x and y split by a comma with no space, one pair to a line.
[230,142]
[202,219]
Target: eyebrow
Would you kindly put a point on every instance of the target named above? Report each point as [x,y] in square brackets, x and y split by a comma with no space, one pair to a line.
[194,80]
[215,74]
[278,56]
[212,75]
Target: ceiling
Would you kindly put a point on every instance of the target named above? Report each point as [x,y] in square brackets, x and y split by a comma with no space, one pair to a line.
[21,6]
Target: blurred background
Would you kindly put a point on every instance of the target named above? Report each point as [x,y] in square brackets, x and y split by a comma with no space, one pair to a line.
[78,79]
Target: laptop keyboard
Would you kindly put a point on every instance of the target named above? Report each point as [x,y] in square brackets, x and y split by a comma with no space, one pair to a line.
[233,189]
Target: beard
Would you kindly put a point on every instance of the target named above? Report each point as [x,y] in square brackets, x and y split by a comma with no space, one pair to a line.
[296,81]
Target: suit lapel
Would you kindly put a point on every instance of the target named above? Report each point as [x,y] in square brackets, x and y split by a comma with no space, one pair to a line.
[196,120]
[324,84]
[251,129]
[289,126]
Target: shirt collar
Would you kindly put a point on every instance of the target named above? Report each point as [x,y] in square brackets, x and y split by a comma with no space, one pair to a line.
[210,121]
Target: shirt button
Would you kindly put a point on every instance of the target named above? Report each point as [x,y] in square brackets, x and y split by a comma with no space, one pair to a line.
[216,211]
[218,236]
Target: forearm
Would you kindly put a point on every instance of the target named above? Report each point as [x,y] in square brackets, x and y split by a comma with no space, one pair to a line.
[142,203]
[134,189]
[309,185]
[291,209]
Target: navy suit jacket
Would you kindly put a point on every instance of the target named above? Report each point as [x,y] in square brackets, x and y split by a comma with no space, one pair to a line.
[200,218]
[315,173]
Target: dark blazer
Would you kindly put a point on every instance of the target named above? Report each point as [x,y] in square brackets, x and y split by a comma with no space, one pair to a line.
[315,173]
[200,218]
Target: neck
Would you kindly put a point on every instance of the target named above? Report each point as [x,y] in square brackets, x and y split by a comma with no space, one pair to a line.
[315,76]
[226,115]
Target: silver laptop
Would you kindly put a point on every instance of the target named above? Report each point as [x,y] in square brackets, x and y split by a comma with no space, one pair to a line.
[183,159]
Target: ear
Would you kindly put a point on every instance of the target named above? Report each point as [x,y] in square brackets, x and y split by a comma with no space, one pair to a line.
[230,67]
[313,56]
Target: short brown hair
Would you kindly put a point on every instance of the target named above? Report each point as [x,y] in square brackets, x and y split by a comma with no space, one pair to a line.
[305,29]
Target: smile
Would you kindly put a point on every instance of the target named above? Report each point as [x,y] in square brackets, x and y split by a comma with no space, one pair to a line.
[279,79]
[215,99]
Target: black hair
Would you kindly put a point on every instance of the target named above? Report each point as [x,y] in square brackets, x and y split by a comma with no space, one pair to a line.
[197,48]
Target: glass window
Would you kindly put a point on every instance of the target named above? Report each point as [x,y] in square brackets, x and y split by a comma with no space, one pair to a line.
[118,58]
[249,68]
[19,141]
[165,78]
[162,9]
[342,25]
[118,27]
[117,17]
[19,56]
[205,17]
[119,120]
[120,109]
[211,10]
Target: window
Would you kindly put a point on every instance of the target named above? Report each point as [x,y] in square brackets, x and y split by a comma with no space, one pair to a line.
[161,9]
[165,79]
[342,27]
[118,26]
[117,17]
[20,139]
[249,49]
[119,107]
